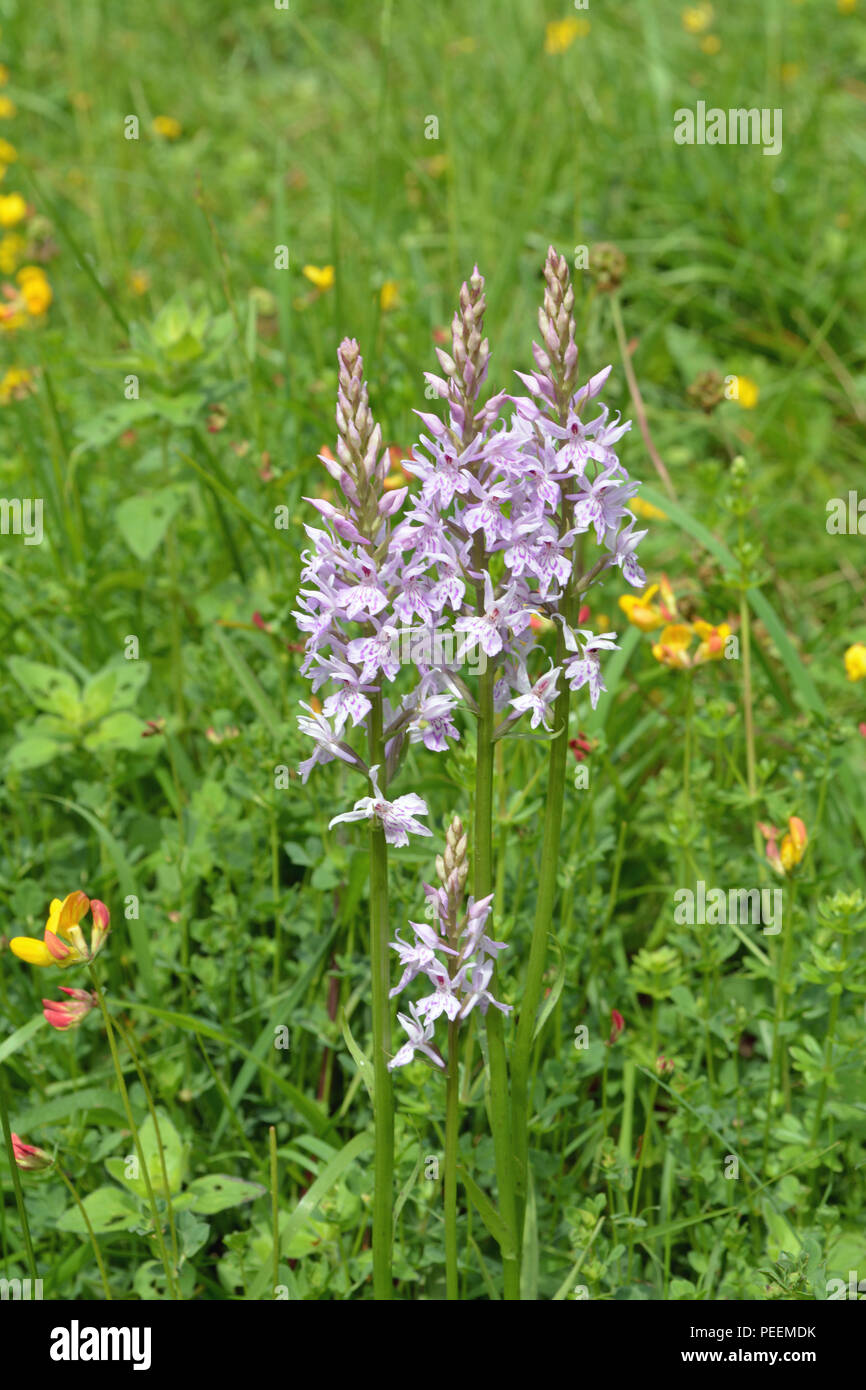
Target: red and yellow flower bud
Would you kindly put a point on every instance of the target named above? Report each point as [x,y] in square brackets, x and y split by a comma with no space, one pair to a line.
[785,857]
[29,1157]
[64,1015]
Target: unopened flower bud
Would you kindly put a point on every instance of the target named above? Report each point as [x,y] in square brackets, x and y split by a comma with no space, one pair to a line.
[608,265]
[29,1157]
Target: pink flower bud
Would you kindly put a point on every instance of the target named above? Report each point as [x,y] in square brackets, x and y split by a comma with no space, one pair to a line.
[617,1026]
[28,1157]
[63,1015]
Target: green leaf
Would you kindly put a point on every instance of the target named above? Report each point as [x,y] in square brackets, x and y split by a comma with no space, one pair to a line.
[360,1058]
[115,687]
[32,752]
[489,1215]
[552,998]
[98,694]
[174,1151]
[193,1233]
[21,1036]
[108,1209]
[282,1009]
[120,730]
[306,1207]
[179,410]
[47,688]
[143,521]
[219,1191]
[312,1113]
[250,686]
[51,1112]
[529,1263]
[106,425]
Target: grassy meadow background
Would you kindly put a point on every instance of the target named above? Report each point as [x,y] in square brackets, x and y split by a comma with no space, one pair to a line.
[305,129]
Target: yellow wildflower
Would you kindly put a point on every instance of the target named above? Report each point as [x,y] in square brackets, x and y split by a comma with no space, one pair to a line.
[436,165]
[672,649]
[167,126]
[786,857]
[747,392]
[8,152]
[11,317]
[15,384]
[389,295]
[647,510]
[713,639]
[697,18]
[846,6]
[63,921]
[35,289]
[13,209]
[4,74]
[322,276]
[640,611]
[711,44]
[12,248]
[8,109]
[561,33]
[139,281]
[855,662]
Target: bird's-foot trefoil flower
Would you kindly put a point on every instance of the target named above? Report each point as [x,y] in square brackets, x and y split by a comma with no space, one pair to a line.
[855,662]
[65,943]
[64,1014]
[617,1027]
[786,856]
[30,1158]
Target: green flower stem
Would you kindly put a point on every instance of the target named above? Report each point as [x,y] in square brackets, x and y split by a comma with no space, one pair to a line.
[130,1045]
[383,1196]
[637,399]
[828,1047]
[531,996]
[145,1172]
[779,1014]
[645,1142]
[749,719]
[483,878]
[16,1180]
[452,1119]
[275,1202]
[90,1231]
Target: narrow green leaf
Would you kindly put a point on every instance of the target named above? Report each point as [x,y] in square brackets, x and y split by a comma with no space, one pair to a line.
[250,686]
[362,1062]
[21,1036]
[529,1261]
[494,1223]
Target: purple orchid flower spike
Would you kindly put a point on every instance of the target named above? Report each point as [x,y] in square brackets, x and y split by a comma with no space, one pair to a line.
[420,1032]
[584,668]
[538,697]
[478,993]
[398,818]
[418,956]
[328,744]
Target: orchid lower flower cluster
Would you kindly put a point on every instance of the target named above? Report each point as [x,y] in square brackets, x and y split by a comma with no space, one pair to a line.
[461,983]
[514,519]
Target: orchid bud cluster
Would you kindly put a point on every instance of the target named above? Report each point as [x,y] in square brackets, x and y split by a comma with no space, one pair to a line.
[497,533]
[461,984]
